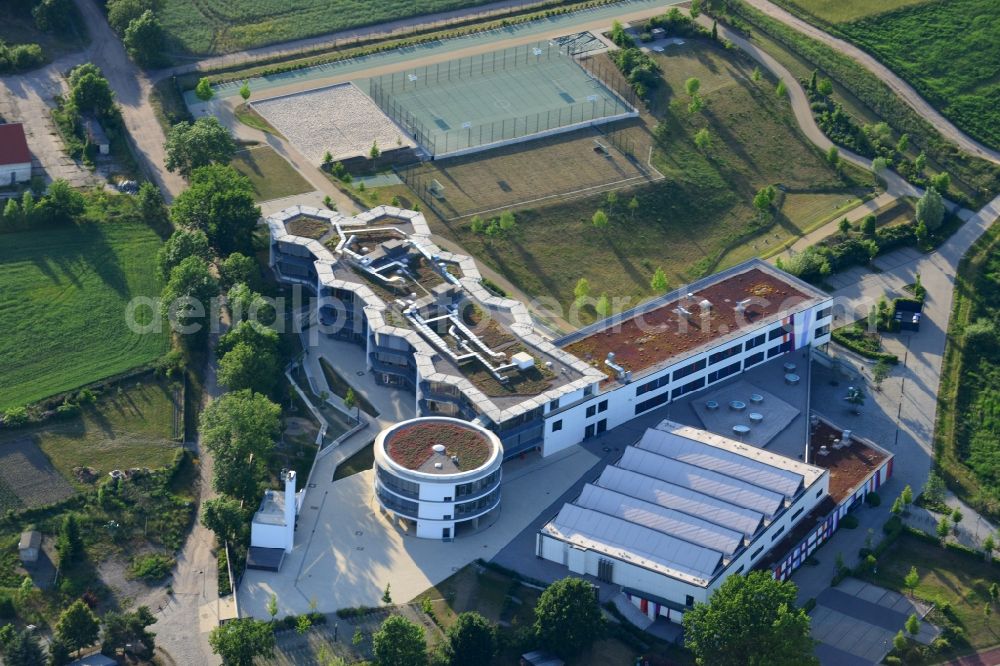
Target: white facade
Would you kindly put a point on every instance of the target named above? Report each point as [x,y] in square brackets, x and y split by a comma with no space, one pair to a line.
[273,525]
[574,419]
[11,174]
[434,498]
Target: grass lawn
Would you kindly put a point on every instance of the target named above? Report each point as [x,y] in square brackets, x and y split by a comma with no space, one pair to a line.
[139,427]
[840,11]
[949,52]
[271,176]
[686,223]
[221,26]
[958,579]
[63,298]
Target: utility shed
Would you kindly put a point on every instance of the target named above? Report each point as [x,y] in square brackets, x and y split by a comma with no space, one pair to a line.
[15,158]
[29,547]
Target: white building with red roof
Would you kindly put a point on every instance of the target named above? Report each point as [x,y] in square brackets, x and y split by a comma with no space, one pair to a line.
[15,158]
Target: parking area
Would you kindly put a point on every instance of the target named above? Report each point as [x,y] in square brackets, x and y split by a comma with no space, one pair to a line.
[855,622]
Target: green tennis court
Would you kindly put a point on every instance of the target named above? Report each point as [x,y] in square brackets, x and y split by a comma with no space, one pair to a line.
[475,102]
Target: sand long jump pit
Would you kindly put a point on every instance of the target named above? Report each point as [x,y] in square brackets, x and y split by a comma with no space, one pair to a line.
[340,119]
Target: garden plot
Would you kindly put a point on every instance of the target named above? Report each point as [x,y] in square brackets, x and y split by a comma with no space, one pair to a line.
[27,478]
[340,119]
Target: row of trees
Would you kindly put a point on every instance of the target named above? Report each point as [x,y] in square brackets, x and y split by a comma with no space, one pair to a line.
[59,205]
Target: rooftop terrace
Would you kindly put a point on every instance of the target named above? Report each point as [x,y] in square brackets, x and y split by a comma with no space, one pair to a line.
[692,319]
[849,465]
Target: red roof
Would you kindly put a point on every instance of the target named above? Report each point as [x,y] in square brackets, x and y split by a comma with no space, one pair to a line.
[13,145]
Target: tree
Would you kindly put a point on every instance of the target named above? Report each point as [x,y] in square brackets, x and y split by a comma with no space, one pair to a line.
[567,617]
[600,219]
[182,244]
[911,580]
[695,8]
[204,91]
[12,213]
[399,642]
[757,74]
[855,397]
[239,429]
[123,12]
[781,90]
[581,290]
[236,268]
[659,282]
[53,15]
[930,209]
[833,156]
[868,226]
[692,86]
[247,305]
[880,372]
[239,642]
[715,30]
[942,528]
[764,198]
[603,306]
[633,205]
[243,367]
[190,285]
[272,606]
[702,139]
[913,625]
[145,40]
[151,204]
[245,91]
[220,202]
[477,225]
[374,152]
[69,543]
[907,495]
[920,162]
[60,204]
[472,640]
[824,87]
[198,144]
[121,629]
[879,164]
[903,143]
[225,517]
[870,560]
[994,590]
[90,91]
[387,594]
[941,182]
[989,545]
[752,620]
[899,641]
[612,199]
[897,507]
[921,233]
[351,402]
[24,650]
[507,222]
[77,626]
[956,518]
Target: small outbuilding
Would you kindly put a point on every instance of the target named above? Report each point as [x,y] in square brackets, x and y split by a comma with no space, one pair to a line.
[97,137]
[15,158]
[30,547]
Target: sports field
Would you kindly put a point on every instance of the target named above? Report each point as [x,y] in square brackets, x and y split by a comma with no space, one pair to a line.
[221,26]
[572,164]
[63,296]
[492,97]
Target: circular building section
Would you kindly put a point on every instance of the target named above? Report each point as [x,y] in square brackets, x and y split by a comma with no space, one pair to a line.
[440,474]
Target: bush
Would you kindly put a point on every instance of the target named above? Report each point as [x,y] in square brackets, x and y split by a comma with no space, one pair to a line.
[893,526]
[849,522]
[873,499]
[222,566]
[152,567]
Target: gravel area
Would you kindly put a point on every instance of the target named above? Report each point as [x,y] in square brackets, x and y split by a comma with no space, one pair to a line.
[340,119]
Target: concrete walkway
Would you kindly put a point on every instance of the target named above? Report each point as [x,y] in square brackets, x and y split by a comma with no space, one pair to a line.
[905,91]
[900,417]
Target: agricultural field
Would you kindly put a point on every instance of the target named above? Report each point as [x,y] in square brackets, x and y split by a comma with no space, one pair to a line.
[137,427]
[219,26]
[688,222]
[949,52]
[63,298]
[270,175]
[840,11]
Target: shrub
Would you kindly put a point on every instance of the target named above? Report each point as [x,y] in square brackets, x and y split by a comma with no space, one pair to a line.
[152,567]
[849,522]
[873,499]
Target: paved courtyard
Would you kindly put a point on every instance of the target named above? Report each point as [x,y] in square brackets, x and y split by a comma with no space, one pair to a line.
[855,622]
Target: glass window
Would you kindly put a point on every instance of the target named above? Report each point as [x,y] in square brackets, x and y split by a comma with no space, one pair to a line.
[557,425]
[602,406]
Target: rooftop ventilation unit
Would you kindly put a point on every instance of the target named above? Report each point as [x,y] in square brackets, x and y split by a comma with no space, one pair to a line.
[438,448]
[610,362]
[705,305]
[742,305]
